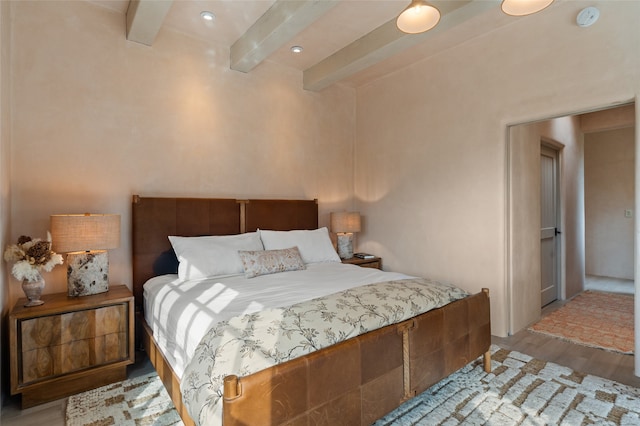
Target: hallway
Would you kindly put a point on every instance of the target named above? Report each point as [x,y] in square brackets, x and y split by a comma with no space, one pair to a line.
[611,285]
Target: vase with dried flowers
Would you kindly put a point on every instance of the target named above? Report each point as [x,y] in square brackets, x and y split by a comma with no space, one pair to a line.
[30,257]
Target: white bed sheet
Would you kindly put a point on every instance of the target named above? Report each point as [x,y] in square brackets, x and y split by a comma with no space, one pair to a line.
[180,313]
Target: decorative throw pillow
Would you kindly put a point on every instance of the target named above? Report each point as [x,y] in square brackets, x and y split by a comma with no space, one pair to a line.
[315,246]
[203,257]
[263,262]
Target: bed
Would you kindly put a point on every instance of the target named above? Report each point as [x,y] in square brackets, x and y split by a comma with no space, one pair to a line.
[355,380]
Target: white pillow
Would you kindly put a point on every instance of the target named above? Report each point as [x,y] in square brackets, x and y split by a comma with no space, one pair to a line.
[315,246]
[203,257]
[264,262]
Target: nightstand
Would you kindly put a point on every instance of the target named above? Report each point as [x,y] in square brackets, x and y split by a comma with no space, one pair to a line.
[70,344]
[375,262]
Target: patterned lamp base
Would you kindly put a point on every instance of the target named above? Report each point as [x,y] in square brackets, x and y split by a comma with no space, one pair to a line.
[345,245]
[87,272]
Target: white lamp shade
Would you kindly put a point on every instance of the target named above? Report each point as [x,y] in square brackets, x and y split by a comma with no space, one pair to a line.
[345,222]
[524,7]
[418,17]
[84,232]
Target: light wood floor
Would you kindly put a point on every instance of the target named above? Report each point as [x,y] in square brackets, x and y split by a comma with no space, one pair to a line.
[610,365]
[598,362]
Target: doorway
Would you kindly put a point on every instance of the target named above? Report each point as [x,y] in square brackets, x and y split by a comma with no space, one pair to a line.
[524,274]
[549,225]
[523,210]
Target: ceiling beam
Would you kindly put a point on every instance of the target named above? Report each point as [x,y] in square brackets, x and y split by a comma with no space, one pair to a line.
[386,41]
[144,19]
[277,26]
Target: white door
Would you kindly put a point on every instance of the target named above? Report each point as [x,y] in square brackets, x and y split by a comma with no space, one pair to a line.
[549,255]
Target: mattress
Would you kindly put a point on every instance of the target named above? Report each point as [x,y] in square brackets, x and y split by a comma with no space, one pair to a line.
[181,312]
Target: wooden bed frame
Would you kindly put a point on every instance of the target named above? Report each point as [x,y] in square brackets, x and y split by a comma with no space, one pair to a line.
[353,382]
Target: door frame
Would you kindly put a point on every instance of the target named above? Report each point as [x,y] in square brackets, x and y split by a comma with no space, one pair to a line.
[558,148]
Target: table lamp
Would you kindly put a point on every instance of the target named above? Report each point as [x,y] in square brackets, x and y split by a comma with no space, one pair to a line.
[344,224]
[86,238]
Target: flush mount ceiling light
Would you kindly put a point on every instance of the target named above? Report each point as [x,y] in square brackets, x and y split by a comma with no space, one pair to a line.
[418,17]
[297,49]
[207,16]
[524,7]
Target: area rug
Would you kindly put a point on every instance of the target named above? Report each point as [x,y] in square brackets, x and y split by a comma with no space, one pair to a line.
[135,402]
[596,319]
[520,390]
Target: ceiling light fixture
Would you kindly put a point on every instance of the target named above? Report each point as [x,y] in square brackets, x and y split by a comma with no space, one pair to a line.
[207,16]
[418,17]
[524,7]
[297,49]
[588,16]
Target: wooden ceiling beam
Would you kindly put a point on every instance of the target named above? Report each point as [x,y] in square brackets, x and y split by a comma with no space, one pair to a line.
[386,41]
[277,26]
[144,19]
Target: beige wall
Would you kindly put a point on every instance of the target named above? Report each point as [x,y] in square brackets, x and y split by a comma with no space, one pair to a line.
[97,118]
[523,250]
[609,190]
[5,144]
[431,178]
[608,119]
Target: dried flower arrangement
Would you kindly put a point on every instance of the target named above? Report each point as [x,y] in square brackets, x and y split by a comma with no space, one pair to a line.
[30,257]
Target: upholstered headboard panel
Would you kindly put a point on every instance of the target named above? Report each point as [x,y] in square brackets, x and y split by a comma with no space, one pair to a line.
[154,219]
[280,215]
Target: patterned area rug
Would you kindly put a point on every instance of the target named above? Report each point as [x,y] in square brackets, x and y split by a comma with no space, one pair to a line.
[136,402]
[520,390]
[596,319]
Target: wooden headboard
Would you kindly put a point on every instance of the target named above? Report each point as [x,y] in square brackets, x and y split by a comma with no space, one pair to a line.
[154,219]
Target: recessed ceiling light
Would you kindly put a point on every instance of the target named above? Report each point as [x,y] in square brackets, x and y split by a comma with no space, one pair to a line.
[297,49]
[207,16]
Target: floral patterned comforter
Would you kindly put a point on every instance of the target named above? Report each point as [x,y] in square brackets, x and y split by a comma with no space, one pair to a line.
[247,344]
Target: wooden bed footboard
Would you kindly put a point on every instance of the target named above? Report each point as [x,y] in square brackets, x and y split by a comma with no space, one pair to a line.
[362,379]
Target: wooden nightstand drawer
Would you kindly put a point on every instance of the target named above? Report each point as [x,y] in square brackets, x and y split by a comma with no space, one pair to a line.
[375,262]
[60,344]
[70,344]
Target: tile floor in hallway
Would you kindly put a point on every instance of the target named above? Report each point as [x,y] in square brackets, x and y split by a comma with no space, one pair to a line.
[612,285]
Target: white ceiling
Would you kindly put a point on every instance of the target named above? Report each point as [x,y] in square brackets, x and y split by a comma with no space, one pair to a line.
[341,44]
